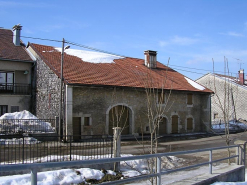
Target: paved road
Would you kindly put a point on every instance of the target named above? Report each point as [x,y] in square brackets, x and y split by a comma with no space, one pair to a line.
[209,142]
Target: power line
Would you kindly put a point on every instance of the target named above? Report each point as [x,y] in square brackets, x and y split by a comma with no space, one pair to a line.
[111,53]
[94,49]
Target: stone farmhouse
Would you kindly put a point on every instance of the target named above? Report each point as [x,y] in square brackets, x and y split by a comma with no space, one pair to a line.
[98,86]
[234,87]
[16,70]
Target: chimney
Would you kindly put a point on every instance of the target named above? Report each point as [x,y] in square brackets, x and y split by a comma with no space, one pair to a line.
[150,59]
[17,34]
[241,76]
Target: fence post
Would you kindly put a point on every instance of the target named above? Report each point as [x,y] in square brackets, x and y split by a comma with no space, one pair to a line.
[57,124]
[116,146]
[210,162]
[240,151]
[158,170]
[33,176]
[23,149]
[70,141]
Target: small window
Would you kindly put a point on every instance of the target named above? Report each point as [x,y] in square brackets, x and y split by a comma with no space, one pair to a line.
[189,99]
[86,121]
[3,109]
[216,115]
[147,128]
[14,109]
[161,98]
[189,123]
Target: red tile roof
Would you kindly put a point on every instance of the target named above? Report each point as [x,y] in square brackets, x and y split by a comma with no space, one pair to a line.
[8,50]
[125,72]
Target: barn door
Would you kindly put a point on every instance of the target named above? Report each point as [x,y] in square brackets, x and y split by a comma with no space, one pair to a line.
[174,124]
[76,128]
[162,126]
[119,117]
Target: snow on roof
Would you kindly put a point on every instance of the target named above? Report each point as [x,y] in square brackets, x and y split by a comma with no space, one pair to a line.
[18,115]
[194,84]
[91,56]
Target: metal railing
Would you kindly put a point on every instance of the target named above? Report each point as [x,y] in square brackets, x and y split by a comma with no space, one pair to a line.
[24,149]
[15,88]
[13,126]
[35,167]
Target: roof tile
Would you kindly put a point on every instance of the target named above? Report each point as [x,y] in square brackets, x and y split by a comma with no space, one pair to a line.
[124,72]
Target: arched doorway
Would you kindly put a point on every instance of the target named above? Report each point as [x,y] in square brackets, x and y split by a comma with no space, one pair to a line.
[174,124]
[162,125]
[119,116]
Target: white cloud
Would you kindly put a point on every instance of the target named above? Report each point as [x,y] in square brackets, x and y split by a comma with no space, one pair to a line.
[163,43]
[177,40]
[231,55]
[183,40]
[234,34]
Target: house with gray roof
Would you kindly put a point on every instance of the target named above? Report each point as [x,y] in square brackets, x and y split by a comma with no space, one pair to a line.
[228,90]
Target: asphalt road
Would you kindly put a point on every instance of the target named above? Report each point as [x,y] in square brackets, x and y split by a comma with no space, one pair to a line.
[138,148]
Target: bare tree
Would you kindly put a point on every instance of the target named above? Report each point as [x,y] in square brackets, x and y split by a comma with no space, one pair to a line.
[225,102]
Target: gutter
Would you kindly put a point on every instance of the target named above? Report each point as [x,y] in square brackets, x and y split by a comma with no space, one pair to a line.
[14,60]
[126,87]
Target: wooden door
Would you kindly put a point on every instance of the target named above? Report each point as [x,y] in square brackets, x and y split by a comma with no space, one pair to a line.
[76,128]
[189,124]
[174,124]
[162,126]
[119,117]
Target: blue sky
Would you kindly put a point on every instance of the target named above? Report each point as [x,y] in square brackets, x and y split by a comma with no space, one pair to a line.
[190,32]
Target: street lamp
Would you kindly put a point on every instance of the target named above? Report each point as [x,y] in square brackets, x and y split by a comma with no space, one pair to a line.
[60,132]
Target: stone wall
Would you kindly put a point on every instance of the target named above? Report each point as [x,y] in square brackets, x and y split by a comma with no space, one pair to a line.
[47,92]
[96,103]
[223,89]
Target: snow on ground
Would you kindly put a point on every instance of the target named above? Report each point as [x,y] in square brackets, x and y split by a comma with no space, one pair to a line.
[68,176]
[128,168]
[24,126]
[19,115]
[91,56]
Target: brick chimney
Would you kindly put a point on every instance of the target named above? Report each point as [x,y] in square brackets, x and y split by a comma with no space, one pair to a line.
[17,34]
[150,59]
[241,76]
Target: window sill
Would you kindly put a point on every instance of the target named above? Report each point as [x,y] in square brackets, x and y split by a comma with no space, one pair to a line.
[190,105]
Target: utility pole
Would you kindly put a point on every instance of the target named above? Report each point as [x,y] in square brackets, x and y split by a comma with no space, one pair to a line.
[61,95]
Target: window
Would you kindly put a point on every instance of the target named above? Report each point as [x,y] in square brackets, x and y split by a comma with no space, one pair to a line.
[189,99]
[6,81]
[14,109]
[86,121]
[189,123]
[147,128]
[3,109]
[216,115]
[161,98]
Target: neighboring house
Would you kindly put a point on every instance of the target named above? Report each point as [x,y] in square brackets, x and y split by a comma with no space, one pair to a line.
[16,67]
[98,86]
[227,88]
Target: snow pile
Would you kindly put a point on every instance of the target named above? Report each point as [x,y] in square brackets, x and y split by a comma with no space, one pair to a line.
[194,84]
[65,176]
[19,115]
[19,141]
[23,121]
[138,167]
[75,176]
[233,126]
[91,56]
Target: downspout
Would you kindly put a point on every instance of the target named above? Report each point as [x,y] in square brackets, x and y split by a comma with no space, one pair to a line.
[210,114]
